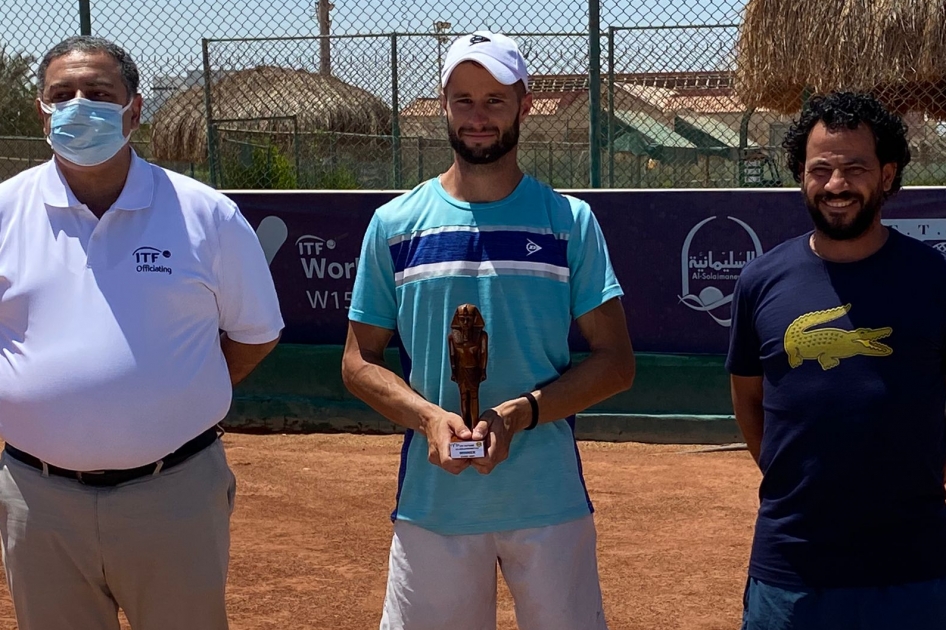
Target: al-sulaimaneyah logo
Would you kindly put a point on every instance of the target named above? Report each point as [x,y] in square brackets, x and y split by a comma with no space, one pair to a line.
[709,274]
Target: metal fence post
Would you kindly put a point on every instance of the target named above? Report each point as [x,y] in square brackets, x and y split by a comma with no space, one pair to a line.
[85,18]
[208,112]
[610,107]
[594,93]
[743,144]
[420,159]
[551,156]
[395,115]
[325,43]
[295,150]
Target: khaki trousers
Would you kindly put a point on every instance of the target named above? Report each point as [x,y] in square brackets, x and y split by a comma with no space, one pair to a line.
[158,547]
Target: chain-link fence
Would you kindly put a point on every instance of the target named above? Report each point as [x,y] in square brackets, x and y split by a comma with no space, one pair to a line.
[318,95]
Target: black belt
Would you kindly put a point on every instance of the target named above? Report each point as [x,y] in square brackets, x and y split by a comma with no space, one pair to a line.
[102,478]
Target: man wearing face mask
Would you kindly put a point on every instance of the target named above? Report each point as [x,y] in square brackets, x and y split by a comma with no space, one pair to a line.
[131,300]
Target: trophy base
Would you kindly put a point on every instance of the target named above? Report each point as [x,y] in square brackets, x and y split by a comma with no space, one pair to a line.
[467,450]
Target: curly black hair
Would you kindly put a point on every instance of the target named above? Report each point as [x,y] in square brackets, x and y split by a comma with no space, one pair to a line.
[849,109]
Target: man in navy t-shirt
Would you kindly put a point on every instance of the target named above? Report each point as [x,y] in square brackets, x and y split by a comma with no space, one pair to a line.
[837,362]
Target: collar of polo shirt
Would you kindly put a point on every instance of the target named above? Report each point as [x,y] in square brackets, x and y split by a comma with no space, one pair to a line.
[137,194]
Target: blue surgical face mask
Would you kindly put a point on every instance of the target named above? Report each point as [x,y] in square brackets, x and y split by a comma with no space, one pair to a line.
[86,132]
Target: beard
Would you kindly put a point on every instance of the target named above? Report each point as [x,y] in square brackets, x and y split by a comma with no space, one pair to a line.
[837,229]
[508,140]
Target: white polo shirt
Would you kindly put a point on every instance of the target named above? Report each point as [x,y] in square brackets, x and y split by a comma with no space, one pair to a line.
[109,329]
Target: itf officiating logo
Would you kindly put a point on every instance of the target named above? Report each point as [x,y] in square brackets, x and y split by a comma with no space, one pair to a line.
[711,264]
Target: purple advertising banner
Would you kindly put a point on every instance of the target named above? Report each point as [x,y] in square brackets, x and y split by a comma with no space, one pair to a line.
[677,253]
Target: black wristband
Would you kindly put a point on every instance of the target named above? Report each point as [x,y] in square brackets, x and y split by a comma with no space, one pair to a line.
[535,410]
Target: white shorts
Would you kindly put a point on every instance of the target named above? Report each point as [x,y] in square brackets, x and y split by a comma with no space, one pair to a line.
[438,582]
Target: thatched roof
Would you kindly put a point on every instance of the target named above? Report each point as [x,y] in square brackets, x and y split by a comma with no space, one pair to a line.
[319,103]
[893,48]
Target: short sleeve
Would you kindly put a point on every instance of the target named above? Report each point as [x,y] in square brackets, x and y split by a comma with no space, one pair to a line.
[373,299]
[592,278]
[246,296]
[745,351]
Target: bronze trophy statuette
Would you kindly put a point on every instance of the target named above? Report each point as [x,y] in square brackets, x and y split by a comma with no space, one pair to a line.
[468,349]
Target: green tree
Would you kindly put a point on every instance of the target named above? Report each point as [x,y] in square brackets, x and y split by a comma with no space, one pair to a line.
[17,96]
[267,168]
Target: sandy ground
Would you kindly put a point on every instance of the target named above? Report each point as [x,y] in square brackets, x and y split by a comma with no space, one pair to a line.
[311,533]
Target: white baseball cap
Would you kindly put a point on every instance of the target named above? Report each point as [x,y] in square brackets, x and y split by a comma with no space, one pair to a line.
[497,53]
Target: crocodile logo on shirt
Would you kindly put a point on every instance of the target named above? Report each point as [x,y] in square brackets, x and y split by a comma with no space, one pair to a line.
[828,346]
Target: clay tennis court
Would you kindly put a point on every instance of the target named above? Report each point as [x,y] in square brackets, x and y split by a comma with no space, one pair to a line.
[311,533]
